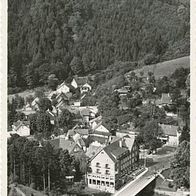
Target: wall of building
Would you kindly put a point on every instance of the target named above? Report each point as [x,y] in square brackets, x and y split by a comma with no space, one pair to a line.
[23,131]
[64,89]
[102,176]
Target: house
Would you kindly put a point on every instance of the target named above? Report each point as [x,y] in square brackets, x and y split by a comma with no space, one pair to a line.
[164,101]
[62,88]
[112,164]
[66,144]
[63,99]
[124,132]
[94,122]
[93,149]
[52,116]
[79,140]
[35,104]
[100,131]
[21,128]
[81,83]
[123,91]
[171,134]
[88,113]
[148,101]
[82,132]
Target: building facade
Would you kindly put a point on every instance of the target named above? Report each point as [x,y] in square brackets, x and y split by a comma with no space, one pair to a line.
[113,163]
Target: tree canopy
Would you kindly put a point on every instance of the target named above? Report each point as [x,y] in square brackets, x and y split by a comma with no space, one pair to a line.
[66,37]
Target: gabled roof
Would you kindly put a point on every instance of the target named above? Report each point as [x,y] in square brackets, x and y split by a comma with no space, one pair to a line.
[35,101]
[72,132]
[19,123]
[115,150]
[93,150]
[97,120]
[165,99]
[99,139]
[62,84]
[85,112]
[170,130]
[61,95]
[81,80]
[65,144]
[101,129]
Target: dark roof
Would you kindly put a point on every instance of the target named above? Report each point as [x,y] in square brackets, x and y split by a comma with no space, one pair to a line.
[85,112]
[99,139]
[114,150]
[93,150]
[169,130]
[81,80]
[62,95]
[101,133]
[72,132]
[19,123]
[63,143]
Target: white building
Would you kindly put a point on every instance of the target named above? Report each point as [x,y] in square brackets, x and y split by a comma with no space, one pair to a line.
[62,88]
[113,163]
[171,134]
[21,128]
[82,83]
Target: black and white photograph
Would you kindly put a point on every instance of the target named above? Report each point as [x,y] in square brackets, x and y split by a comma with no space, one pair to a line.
[98,98]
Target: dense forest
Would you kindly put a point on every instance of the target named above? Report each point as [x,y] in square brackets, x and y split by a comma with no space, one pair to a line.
[69,37]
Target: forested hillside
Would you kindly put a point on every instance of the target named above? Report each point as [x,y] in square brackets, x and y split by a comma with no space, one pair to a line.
[68,37]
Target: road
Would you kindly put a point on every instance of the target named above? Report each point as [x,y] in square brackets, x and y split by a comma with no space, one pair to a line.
[135,187]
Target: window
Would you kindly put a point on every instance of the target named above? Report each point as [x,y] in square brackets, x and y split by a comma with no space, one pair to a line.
[107,184]
[98,182]
[98,171]
[94,181]
[107,172]
[90,181]
[111,184]
[102,183]
[107,166]
[97,164]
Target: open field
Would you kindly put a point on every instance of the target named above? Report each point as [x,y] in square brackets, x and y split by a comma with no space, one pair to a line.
[165,68]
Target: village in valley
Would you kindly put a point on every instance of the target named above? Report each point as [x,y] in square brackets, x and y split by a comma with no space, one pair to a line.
[98,98]
[100,144]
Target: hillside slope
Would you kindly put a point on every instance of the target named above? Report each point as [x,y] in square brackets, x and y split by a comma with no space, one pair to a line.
[165,68]
[67,37]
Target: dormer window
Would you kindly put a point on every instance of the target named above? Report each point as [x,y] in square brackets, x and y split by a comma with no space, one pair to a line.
[107,166]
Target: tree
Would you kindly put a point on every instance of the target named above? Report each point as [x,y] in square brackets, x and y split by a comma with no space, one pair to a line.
[39,93]
[149,134]
[89,100]
[185,134]
[11,113]
[76,65]
[33,124]
[44,104]
[52,81]
[43,125]
[180,165]
[29,99]
[65,119]
[65,164]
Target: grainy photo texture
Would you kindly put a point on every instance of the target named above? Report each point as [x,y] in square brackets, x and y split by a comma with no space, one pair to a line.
[98,98]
